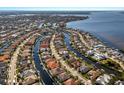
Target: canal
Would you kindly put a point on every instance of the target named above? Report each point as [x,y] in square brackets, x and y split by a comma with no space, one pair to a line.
[80,55]
[4,46]
[47,80]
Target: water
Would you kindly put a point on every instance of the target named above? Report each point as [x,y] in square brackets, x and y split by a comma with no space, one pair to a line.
[80,55]
[43,74]
[5,45]
[108,26]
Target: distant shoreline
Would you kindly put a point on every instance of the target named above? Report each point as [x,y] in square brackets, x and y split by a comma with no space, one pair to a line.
[104,40]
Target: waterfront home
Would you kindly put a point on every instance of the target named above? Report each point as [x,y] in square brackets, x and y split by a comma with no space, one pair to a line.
[27,73]
[44,49]
[98,56]
[100,48]
[58,41]
[50,59]
[71,59]
[6,52]
[75,64]
[57,71]
[94,73]
[44,46]
[46,53]
[66,56]
[119,82]
[63,76]
[4,58]
[103,80]
[31,42]
[30,80]
[84,69]
[45,57]
[58,46]
[52,64]
[26,47]
[23,63]
[90,53]
[71,81]
[62,51]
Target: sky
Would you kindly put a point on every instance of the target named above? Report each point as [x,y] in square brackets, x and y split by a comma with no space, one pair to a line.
[60,4]
[60,8]
[55,5]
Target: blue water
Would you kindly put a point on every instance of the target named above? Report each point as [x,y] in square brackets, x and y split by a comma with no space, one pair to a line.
[80,55]
[109,26]
[43,74]
[5,45]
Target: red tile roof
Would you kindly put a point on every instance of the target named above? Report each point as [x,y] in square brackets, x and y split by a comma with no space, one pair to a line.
[44,45]
[52,65]
[70,81]
[50,59]
[4,58]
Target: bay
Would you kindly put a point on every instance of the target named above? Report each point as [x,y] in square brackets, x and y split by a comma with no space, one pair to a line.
[108,26]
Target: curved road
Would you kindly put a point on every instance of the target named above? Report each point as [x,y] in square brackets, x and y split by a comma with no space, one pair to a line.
[63,63]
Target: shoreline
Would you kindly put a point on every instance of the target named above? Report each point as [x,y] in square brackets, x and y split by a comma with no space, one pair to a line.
[86,45]
[100,38]
[105,42]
